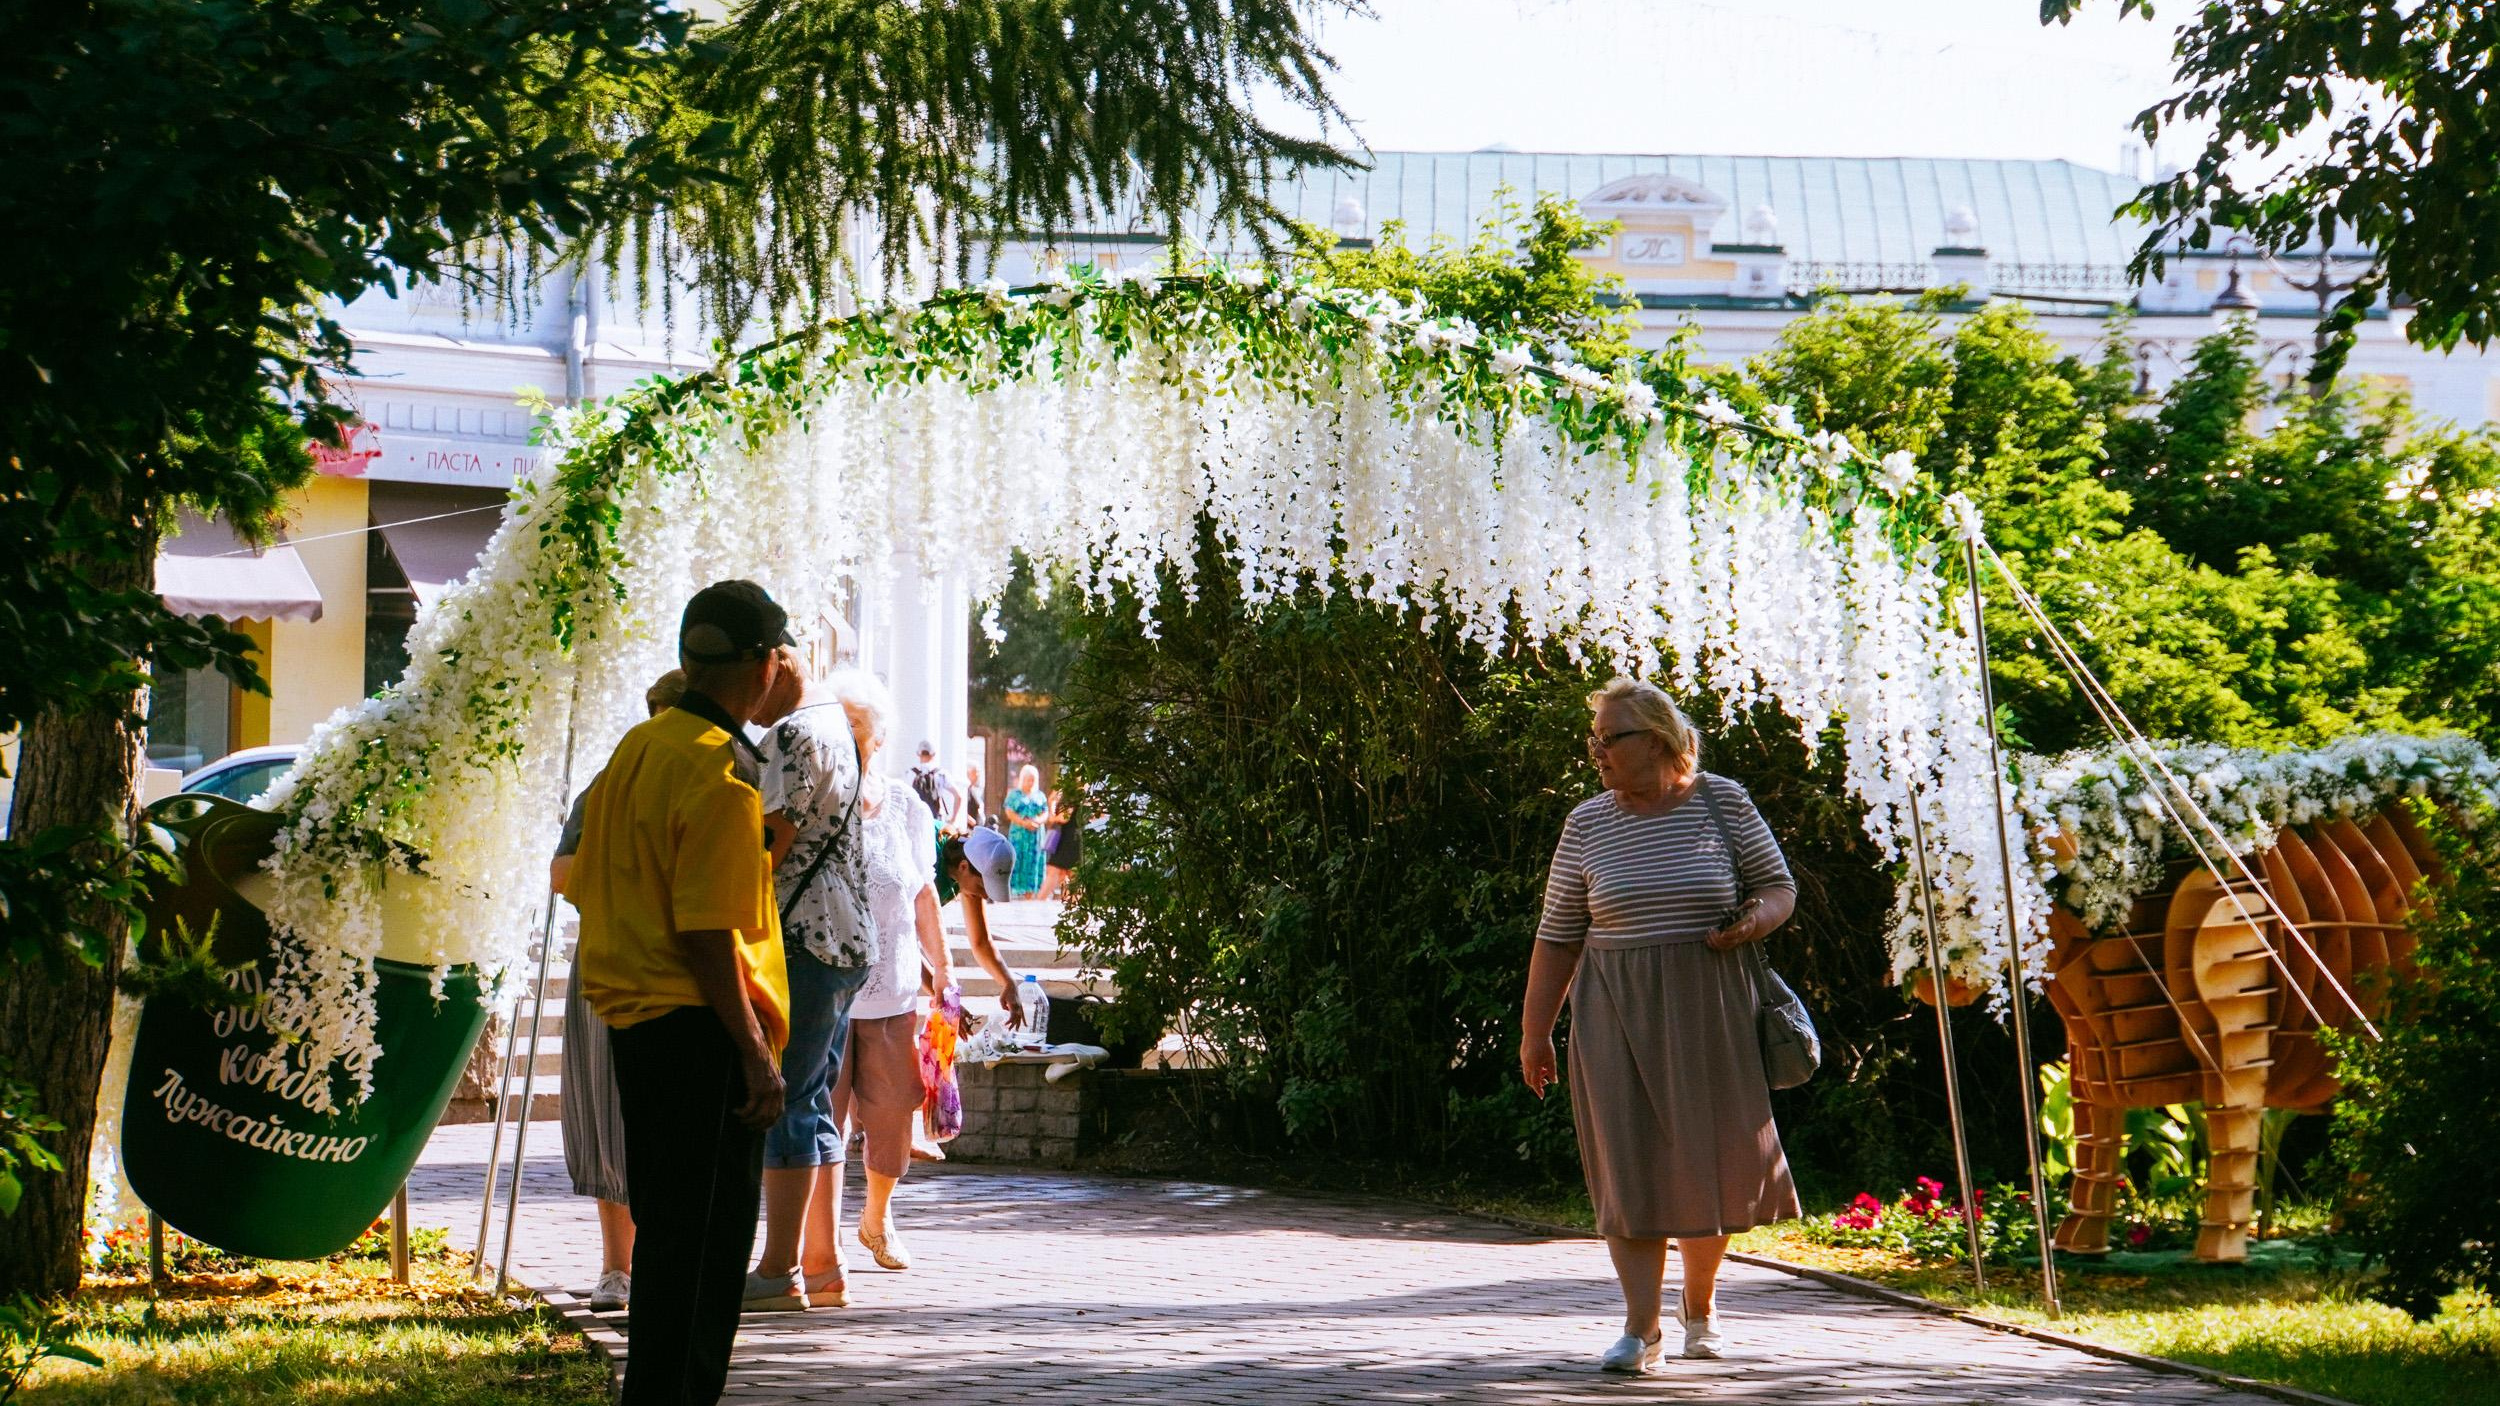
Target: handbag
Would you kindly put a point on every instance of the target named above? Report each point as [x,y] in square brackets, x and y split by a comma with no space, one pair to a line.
[1791,1051]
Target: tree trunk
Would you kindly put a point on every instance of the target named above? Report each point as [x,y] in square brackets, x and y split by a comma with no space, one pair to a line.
[54,1029]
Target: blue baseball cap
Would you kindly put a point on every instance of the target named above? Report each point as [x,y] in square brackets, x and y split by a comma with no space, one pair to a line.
[988,852]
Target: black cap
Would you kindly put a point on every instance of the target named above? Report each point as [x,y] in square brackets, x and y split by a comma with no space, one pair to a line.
[731,620]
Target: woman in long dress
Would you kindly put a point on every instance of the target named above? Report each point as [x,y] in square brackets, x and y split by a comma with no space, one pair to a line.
[1657,886]
[1026,808]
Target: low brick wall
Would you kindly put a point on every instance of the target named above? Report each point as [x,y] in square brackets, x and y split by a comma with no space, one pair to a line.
[1013,1114]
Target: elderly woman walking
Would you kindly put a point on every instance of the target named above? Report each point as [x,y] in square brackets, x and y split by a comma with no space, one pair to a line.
[1656,888]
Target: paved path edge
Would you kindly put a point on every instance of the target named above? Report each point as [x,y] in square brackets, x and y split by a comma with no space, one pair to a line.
[610,1344]
[1868,1288]
[575,1314]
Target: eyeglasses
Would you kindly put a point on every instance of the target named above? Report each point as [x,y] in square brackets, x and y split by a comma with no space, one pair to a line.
[1601,743]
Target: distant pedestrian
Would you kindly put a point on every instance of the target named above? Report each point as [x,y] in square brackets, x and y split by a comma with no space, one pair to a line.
[975,810]
[1025,806]
[681,957]
[1656,888]
[1067,844]
[594,1127]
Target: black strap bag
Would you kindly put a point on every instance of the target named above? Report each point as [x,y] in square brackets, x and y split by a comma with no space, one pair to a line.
[1791,1051]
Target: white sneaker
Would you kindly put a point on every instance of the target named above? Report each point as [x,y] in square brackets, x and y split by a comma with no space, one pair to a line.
[775,1293]
[1631,1355]
[615,1288]
[1701,1335]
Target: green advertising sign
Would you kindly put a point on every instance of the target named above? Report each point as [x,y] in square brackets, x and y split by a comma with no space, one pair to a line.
[223,1133]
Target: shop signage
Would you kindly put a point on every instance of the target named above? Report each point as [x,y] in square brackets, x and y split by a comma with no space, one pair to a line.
[401,457]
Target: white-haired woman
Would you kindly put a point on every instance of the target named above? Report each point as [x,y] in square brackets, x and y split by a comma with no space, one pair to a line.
[877,1087]
[1655,889]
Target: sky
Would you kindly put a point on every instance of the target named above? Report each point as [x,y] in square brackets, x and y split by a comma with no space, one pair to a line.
[1974,78]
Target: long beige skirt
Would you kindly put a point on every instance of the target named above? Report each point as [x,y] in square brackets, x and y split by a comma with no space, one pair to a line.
[1668,1094]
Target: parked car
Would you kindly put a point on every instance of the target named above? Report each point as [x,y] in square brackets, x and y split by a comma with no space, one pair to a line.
[243,776]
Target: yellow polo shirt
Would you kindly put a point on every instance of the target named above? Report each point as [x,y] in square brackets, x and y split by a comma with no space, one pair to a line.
[673,841]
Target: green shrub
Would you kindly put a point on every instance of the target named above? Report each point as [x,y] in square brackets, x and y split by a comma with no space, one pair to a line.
[2419,1120]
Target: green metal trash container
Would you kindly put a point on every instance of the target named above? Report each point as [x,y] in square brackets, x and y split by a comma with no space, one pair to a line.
[220,1133]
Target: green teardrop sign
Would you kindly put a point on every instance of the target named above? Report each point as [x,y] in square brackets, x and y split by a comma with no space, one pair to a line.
[223,1134]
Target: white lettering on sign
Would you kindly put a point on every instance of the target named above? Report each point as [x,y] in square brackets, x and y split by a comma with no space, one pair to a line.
[1652,248]
[269,1134]
[230,1019]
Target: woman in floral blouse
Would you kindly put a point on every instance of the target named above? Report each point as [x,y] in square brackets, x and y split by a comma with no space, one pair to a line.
[1026,807]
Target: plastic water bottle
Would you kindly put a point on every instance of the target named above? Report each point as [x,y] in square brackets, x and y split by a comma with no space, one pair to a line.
[1036,1007]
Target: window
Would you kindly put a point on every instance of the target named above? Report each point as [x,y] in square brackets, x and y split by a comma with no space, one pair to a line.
[390,613]
[245,782]
[188,718]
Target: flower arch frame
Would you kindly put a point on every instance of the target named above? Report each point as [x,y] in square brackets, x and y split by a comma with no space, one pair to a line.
[1344,439]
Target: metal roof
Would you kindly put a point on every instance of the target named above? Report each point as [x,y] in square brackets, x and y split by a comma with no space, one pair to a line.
[1831,210]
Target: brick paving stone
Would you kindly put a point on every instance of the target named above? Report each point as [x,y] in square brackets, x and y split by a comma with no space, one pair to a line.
[1051,1289]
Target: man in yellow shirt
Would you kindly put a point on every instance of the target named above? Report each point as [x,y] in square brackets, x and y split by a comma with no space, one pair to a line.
[681,959]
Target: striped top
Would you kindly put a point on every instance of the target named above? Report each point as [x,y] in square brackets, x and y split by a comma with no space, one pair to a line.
[1624,880]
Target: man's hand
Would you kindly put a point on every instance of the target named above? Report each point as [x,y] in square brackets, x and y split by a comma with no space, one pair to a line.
[1537,1065]
[762,1108]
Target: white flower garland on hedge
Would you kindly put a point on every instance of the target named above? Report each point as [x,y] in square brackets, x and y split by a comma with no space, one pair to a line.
[2108,809]
[1344,439]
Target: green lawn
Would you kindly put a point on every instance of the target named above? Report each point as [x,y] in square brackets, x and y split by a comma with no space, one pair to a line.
[338,1332]
[2281,1319]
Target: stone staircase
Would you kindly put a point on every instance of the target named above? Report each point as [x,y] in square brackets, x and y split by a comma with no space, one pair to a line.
[1022,932]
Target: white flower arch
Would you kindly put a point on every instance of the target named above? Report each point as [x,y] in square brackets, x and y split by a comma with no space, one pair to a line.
[1344,439]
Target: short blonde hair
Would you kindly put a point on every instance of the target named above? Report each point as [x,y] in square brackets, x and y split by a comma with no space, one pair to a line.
[665,691]
[1650,706]
[864,695]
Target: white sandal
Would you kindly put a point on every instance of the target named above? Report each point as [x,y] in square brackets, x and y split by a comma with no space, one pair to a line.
[1632,1356]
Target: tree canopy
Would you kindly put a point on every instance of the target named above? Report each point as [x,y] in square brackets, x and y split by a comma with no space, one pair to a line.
[2329,121]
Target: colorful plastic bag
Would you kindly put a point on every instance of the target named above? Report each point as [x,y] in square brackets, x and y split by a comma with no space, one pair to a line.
[943,1114]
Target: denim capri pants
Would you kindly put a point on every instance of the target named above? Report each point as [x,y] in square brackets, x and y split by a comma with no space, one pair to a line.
[820,1025]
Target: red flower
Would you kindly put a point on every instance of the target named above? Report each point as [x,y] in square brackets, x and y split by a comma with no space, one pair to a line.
[2139,1235]
[1866,1202]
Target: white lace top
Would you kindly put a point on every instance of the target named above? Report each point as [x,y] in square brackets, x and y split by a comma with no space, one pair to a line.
[900,844]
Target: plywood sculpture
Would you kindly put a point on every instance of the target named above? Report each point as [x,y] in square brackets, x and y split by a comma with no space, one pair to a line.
[2201,995]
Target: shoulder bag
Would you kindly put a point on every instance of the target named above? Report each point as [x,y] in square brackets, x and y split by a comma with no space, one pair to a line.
[1791,1051]
[833,839]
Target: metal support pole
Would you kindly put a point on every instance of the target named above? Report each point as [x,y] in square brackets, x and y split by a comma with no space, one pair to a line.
[399,1235]
[529,1083]
[2020,995]
[1944,1042]
[538,1014]
[494,1148]
[511,1047]
[156,1255]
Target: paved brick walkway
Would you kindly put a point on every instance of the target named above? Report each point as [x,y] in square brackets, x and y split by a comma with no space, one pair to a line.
[1034,1288]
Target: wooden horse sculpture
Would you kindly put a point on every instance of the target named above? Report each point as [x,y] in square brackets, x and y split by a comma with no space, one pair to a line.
[2204,997]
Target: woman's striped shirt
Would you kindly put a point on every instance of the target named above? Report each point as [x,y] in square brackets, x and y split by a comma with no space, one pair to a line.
[1625,880]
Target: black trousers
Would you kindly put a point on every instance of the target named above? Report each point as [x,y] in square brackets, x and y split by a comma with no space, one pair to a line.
[695,1177]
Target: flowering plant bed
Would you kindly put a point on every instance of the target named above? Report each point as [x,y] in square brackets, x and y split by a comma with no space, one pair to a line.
[2293,1315]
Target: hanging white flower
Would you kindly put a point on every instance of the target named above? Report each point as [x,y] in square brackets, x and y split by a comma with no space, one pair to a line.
[1899,470]
[1337,461]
